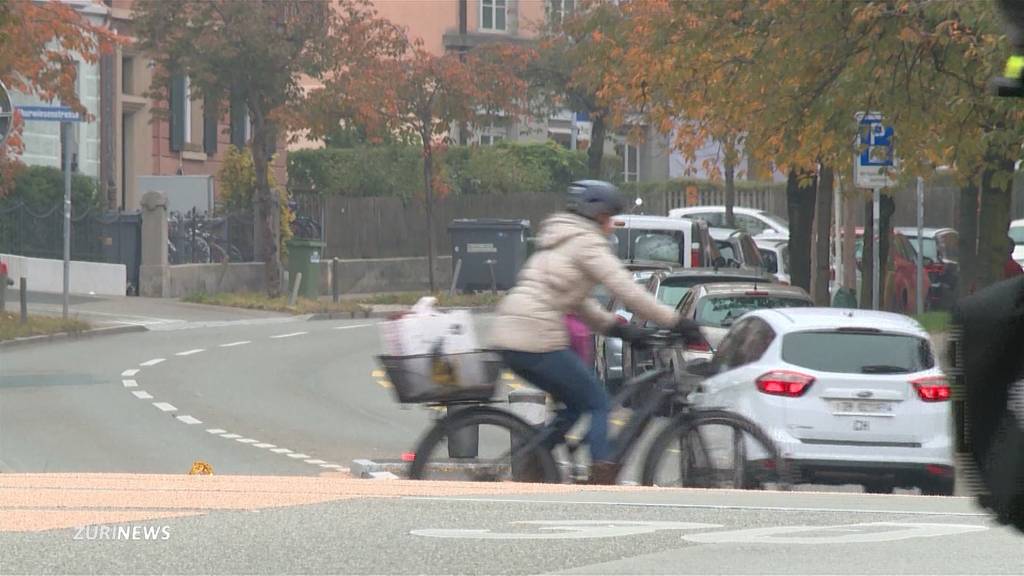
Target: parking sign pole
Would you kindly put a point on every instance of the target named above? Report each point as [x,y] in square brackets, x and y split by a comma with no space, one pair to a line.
[65,129]
[875,281]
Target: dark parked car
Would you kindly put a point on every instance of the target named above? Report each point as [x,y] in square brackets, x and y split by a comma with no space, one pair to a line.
[613,364]
[941,263]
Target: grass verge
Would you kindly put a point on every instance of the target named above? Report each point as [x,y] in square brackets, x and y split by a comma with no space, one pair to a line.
[934,322]
[11,327]
[254,301]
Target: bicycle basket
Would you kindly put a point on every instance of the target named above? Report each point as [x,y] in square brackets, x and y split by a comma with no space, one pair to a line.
[441,378]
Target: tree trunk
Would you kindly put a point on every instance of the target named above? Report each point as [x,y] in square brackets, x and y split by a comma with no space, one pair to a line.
[595,152]
[968,237]
[800,209]
[730,186]
[823,237]
[886,208]
[867,259]
[994,221]
[428,187]
[263,136]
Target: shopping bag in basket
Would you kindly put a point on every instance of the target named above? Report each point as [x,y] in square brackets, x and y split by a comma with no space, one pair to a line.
[425,328]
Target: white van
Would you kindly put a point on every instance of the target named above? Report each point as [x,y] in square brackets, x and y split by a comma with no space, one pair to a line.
[679,241]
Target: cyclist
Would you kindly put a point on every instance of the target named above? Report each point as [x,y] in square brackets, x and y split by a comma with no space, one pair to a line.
[573,255]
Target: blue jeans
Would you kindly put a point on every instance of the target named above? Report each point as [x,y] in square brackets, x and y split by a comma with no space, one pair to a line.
[563,375]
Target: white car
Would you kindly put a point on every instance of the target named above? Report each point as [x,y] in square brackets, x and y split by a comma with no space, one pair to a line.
[849,396]
[775,255]
[1017,233]
[757,223]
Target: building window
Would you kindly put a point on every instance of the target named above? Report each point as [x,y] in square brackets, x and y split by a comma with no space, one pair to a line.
[494,15]
[492,134]
[631,163]
[127,75]
[558,10]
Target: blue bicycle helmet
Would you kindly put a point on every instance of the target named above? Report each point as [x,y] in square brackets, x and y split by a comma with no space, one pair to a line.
[593,198]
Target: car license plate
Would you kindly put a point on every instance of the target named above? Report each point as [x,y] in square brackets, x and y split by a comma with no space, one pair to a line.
[861,407]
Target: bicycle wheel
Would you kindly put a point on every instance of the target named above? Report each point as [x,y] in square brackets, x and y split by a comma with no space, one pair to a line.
[505,449]
[714,449]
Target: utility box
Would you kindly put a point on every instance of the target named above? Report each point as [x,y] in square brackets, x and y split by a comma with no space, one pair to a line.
[487,253]
[121,243]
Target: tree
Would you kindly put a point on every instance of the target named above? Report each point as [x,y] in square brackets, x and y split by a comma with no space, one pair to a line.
[40,47]
[255,53]
[572,64]
[419,96]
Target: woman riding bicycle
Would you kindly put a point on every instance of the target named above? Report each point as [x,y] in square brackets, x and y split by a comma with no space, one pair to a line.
[573,255]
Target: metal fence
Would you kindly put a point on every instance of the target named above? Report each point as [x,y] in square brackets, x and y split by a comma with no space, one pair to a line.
[195,238]
[39,233]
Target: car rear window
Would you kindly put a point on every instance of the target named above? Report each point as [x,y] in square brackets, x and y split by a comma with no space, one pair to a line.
[722,311]
[1017,233]
[771,262]
[656,245]
[857,352]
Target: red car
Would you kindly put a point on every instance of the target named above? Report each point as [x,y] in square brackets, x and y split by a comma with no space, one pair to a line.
[900,273]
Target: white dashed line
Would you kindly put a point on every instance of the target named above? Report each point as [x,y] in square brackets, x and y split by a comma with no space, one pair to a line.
[216,430]
[152,362]
[164,407]
[315,461]
[298,456]
[130,373]
[247,440]
[334,467]
[289,335]
[188,419]
[233,344]
[230,436]
[280,450]
[129,383]
[264,445]
[142,395]
[352,327]
[191,352]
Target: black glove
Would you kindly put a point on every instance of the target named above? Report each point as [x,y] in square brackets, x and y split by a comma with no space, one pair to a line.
[627,332]
[689,330]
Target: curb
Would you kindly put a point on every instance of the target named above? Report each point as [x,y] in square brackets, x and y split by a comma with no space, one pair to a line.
[343,315]
[61,336]
[389,470]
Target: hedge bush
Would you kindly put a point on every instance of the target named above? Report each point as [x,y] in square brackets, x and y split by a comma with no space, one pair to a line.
[42,187]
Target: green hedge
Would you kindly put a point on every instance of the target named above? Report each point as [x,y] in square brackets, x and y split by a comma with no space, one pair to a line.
[397,170]
[42,187]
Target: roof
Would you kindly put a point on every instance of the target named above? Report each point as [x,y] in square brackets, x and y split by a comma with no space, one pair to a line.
[736,209]
[654,222]
[714,288]
[1017,223]
[826,318]
[721,233]
[770,242]
[752,275]
[911,231]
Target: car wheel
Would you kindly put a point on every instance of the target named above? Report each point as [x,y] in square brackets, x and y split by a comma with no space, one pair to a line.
[943,487]
[878,487]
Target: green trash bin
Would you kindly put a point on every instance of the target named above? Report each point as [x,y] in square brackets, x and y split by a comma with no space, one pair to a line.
[845,298]
[304,258]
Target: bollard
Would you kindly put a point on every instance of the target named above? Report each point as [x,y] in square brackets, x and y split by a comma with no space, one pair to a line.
[295,289]
[455,276]
[23,296]
[494,282]
[335,284]
[530,405]
[466,442]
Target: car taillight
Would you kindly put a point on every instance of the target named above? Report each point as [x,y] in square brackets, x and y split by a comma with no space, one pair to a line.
[932,388]
[784,383]
[701,346]
[695,258]
[936,268]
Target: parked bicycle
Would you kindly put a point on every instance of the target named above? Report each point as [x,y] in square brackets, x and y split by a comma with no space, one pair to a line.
[697,447]
[199,240]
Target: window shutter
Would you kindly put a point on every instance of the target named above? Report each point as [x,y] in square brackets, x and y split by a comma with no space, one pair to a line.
[239,116]
[177,97]
[211,117]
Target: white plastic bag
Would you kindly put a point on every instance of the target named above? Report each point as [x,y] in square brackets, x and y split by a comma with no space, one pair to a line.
[426,330]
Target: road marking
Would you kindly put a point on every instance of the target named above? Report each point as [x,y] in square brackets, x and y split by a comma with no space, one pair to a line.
[354,326]
[280,450]
[165,407]
[298,455]
[130,373]
[188,419]
[378,374]
[129,383]
[233,344]
[568,529]
[142,395]
[712,506]
[854,533]
[247,440]
[264,445]
[289,335]
[230,436]
[384,383]
[315,461]
[216,430]
[191,352]
[152,362]
[334,467]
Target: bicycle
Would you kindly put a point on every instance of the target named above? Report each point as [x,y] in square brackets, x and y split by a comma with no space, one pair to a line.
[526,453]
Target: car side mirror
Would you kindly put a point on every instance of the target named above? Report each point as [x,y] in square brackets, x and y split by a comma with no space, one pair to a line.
[701,367]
